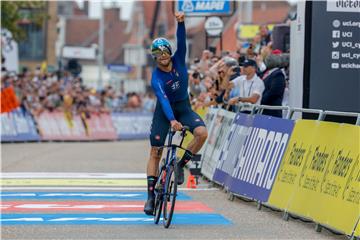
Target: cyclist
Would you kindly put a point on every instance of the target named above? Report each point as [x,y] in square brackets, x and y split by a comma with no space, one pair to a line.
[170,84]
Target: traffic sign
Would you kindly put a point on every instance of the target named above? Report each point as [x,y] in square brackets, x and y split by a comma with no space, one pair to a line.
[214,26]
[205,7]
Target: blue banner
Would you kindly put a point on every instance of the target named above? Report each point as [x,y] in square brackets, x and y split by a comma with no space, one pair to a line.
[252,154]
[132,125]
[231,148]
[204,7]
[18,125]
[260,157]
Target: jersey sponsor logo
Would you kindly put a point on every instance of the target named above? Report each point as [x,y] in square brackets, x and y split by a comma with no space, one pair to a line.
[175,86]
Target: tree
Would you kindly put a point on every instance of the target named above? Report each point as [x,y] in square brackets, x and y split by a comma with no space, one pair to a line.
[14,12]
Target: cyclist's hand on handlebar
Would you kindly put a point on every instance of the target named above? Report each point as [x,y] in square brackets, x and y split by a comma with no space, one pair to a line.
[175,125]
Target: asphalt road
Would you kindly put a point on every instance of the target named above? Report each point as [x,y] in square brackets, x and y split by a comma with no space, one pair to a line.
[242,219]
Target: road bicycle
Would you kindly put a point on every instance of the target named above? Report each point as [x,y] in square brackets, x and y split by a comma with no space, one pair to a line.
[166,185]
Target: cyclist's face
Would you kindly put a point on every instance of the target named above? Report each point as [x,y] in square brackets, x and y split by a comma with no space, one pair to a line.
[164,58]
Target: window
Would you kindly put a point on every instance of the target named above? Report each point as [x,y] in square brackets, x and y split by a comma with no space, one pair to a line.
[33,47]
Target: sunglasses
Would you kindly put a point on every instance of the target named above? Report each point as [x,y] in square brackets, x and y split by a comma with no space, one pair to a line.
[157,52]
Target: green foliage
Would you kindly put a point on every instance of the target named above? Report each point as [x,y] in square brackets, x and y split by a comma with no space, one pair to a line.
[12,12]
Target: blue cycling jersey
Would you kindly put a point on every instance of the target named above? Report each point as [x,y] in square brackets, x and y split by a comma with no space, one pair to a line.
[172,86]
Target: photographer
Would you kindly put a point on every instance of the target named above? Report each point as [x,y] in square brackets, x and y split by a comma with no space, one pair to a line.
[249,85]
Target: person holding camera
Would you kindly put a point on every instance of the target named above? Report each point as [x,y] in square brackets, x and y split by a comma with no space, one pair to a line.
[250,85]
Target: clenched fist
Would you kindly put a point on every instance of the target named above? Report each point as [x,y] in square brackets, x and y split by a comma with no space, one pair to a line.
[180,16]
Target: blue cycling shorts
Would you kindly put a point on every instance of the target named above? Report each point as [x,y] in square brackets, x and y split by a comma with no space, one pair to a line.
[160,124]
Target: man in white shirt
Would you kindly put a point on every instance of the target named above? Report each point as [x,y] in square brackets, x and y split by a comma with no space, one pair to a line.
[250,85]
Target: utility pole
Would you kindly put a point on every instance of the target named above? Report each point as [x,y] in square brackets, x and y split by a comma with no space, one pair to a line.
[248,11]
[101,46]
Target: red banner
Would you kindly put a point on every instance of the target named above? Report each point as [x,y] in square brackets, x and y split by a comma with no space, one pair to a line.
[101,127]
[9,100]
[60,126]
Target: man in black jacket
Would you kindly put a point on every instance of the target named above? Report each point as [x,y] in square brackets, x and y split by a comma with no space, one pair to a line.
[274,81]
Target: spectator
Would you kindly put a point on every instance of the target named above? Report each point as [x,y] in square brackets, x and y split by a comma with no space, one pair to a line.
[256,44]
[149,102]
[265,35]
[274,81]
[196,85]
[250,85]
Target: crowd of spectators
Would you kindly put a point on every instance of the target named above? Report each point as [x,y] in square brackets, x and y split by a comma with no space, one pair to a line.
[255,73]
[38,92]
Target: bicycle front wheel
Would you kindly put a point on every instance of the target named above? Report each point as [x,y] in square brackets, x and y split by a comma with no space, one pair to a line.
[158,202]
[170,194]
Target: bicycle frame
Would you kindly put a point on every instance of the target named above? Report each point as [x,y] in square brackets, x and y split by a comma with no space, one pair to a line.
[165,178]
[172,151]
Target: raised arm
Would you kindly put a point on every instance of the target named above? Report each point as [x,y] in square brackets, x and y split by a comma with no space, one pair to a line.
[180,37]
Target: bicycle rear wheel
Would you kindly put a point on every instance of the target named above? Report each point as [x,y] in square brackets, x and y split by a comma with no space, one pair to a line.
[170,194]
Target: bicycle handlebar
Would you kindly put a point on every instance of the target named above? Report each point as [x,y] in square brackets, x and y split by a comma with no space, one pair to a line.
[184,129]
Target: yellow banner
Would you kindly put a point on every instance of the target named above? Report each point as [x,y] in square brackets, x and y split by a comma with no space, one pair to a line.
[357,230]
[320,175]
[250,31]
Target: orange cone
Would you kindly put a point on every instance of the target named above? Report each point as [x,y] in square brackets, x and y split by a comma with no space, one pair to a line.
[191,183]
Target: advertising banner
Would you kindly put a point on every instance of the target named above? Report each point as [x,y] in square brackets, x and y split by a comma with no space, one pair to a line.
[9,100]
[217,136]
[320,175]
[57,126]
[209,120]
[334,41]
[132,125]
[18,126]
[357,229]
[260,157]
[231,148]
[221,138]
[100,127]
[204,7]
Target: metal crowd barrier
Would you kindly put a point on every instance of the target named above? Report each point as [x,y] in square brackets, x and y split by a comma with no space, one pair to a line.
[258,109]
